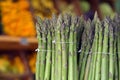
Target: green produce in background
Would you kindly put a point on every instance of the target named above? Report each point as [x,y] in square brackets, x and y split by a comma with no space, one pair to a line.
[106,10]
[85,6]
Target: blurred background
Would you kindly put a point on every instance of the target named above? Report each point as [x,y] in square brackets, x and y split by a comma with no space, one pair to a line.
[18,35]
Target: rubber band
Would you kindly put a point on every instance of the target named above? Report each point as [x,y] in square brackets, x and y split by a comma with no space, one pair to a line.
[87,53]
[62,42]
[38,50]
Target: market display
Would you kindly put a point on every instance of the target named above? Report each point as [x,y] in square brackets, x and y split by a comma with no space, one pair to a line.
[17,19]
[71,48]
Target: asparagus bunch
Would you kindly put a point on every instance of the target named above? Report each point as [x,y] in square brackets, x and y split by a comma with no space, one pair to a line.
[71,48]
[102,59]
[57,56]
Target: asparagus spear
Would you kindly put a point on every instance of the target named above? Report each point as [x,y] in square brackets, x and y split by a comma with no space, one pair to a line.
[67,22]
[48,55]
[98,61]
[58,48]
[94,49]
[82,50]
[64,54]
[70,62]
[88,55]
[91,64]
[117,33]
[87,70]
[116,67]
[95,53]
[118,42]
[43,52]
[75,42]
[111,53]
[53,47]
[87,32]
[104,66]
[39,47]
[116,77]
[79,30]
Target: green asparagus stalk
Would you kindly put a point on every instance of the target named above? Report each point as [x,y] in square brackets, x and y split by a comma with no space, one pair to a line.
[58,48]
[111,53]
[116,69]
[38,53]
[88,55]
[87,70]
[87,32]
[76,25]
[98,61]
[70,62]
[104,66]
[81,54]
[53,59]
[95,53]
[91,64]
[82,43]
[48,55]
[66,39]
[94,49]
[115,56]
[82,50]
[79,29]
[43,51]
[53,47]
[64,54]
[118,47]
[116,77]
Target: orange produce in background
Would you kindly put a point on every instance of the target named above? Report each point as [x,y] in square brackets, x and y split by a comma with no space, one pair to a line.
[14,66]
[17,19]
[32,62]
[19,65]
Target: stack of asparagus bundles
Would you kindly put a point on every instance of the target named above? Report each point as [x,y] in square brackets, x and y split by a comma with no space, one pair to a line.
[72,48]
[57,45]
